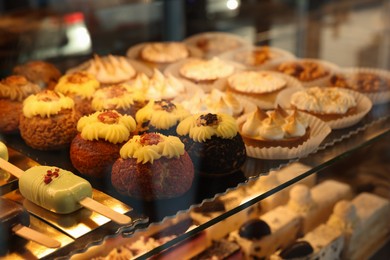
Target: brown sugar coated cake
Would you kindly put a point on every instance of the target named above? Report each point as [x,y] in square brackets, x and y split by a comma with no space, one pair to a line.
[213,142]
[48,121]
[96,147]
[153,166]
[13,90]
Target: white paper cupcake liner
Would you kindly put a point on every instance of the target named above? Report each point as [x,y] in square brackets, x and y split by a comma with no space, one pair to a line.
[270,104]
[363,106]
[281,55]
[318,132]
[377,98]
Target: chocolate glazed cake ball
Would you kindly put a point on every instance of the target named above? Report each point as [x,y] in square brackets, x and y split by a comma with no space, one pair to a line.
[153,166]
[96,147]
[213,142]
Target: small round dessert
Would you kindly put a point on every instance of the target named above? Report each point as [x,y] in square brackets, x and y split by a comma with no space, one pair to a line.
[120,97]
[44,74]
[96,147]
[48,121]
[153,166]
[213,143]
[13,90]
[80,86]
[160,116]
[325,103]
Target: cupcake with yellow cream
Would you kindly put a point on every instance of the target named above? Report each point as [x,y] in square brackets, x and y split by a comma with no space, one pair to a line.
[153,166]
[13,90]
[80,86]
[160,116]
[100,137]
[213,142]
[48,121]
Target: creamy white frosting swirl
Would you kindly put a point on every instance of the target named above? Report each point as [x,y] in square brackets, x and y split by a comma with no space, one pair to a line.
[17,88]
[80,83]
[257,82]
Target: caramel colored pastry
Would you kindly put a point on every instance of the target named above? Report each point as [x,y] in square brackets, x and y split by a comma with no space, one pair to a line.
[259,56]
[275,128]
[365,82]
[153,166]
[160,116]
[324,103]
[13,90]
[48,121]
[42,73]
[96,147]
[164,52]
[304,70]
[213,142]
[80,86]
[118,97]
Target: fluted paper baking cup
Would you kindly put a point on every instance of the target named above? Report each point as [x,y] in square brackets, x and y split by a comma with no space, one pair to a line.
[376,98]
[363,106]
[318,132]
[269,101]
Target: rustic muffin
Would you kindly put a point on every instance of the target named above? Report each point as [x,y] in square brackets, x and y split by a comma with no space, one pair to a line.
[45,74]
[153,166]
[96,147]
[80,86]
[48,121]
[13,90]
[213,142]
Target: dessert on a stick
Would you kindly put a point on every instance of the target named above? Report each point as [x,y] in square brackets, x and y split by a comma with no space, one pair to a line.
[59,191]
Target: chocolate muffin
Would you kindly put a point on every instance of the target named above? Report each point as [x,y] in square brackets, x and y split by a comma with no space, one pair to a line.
[96,147]
[213,143]
[153,166]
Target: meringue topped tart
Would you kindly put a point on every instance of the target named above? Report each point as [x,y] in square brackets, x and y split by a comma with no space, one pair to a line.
[164,52]
[275,128]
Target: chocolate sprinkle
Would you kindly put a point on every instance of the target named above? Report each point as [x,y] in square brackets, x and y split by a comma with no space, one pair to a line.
[298,249]
[254,229]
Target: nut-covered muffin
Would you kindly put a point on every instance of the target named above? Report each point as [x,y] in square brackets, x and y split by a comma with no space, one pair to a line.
[48,121]
[213,142]
[80,86]
[13,90]
[96,147]
[153,166]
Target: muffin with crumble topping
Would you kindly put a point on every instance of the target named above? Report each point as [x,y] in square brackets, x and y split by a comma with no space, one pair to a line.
[213,143]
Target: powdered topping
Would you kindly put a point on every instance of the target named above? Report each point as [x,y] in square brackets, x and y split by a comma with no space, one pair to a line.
[110,69]
[201,127]
[199,69]
[46,103]
[274,125]
[152,146]
[344,216]
[161,114]
[115,97]
[158,86]
[164,52]
[17,88]
[258,82]
[110,126]
[323,100]
[80,83]
[300,199]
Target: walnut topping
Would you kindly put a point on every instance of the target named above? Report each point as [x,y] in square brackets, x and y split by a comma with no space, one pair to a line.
[115,91]
[48,96]
[15,80]
[364,82]
[150,139]
[207,120]
[108,117]
[164,105]
[50,174]
[78,77]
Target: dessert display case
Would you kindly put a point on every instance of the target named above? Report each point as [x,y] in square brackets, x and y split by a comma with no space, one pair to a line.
[335,33]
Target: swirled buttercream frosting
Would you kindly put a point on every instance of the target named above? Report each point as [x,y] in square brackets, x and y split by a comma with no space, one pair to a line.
[161,114]
[152,146]
[17,88]
[257,82]
[46,104]
[115,97]
[108,125]
[201,127]
[323,100]
[200,69]
[80,83]
[164,52]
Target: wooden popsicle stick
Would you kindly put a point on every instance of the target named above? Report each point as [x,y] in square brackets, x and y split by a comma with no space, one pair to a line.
[33,235]
[93,205]
[12,169]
